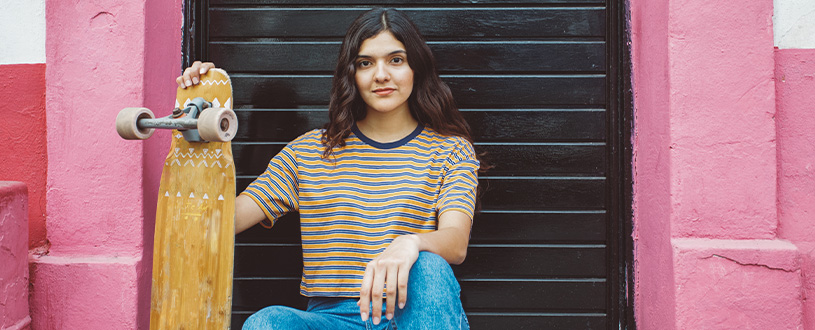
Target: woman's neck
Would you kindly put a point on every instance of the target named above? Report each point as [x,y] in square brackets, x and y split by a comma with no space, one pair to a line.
[387,127]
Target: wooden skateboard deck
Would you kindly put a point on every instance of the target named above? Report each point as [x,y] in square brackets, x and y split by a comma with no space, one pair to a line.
[195,234]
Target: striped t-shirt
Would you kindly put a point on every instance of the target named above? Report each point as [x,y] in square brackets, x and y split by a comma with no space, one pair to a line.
[353,205]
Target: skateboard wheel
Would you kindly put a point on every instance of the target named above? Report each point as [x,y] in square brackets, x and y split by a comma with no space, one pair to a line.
[217,124]
[127,123]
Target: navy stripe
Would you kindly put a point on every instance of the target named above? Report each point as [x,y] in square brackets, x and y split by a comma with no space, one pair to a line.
[335,267]
[307,251]
[356,232]
[362,182]
[353,215]
[364,207]
[339,276]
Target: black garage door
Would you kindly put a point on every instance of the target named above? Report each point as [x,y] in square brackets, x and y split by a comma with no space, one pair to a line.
[538,83]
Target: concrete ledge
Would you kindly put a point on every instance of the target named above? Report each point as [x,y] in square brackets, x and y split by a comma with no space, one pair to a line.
[13,256]
[84,292]
[737,284]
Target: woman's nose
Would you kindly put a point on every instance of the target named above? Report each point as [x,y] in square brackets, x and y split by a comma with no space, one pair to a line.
[381,74]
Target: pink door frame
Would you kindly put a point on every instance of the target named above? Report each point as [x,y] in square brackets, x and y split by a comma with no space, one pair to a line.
[708,254]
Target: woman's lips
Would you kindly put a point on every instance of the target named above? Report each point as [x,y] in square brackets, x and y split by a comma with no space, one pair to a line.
[383,91]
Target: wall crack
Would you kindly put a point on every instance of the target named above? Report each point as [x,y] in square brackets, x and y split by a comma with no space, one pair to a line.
[751,264]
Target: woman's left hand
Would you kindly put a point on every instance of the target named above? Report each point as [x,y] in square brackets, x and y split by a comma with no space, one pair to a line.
[391,267]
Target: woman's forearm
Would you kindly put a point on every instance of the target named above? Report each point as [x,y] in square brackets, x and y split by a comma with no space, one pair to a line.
[450,240]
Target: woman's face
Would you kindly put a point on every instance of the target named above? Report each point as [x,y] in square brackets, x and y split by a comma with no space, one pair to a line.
[384,78]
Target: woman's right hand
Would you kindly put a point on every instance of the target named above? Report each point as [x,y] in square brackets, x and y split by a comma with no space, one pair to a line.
[193,73]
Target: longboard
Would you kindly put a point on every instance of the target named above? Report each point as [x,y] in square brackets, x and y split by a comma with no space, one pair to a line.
[194,237]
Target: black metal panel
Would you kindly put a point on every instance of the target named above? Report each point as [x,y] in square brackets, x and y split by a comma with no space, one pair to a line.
[286,230]
[477,295]
[490,226]
[453,56]
[539,82]
[533,321]
[515,295]
[402,2]
[533,125]
[282,260]
[487,125]
[493,226]
[433,23]
[255,293]
[287,91]
[519,321]
[540,159]
[549,193]
[483,261]
[501,261]
[516,159]
[554,193]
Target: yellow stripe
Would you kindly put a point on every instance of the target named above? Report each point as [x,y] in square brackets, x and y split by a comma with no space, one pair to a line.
[370,230]
[364,149]
[337,272]
[364,197]
[358,166]
[365,213]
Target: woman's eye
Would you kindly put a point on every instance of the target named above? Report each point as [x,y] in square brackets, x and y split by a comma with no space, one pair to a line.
[363,64]
[397,60]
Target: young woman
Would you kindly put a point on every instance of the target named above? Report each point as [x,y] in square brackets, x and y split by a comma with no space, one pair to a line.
[386,191]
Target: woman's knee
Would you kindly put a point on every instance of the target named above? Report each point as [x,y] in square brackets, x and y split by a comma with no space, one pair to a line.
[433,299]
[275,317]
[431,271]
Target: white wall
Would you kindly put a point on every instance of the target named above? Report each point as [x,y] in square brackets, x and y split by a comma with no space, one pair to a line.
[22,31]
[794,23]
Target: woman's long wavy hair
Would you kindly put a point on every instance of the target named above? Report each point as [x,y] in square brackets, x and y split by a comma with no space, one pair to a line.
[431,102]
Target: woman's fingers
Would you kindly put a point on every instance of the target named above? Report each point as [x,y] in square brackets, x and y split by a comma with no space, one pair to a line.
[205,67]
[365,292]
[402,283]
[376,292]
[391,288]
[192,75]
[392,266]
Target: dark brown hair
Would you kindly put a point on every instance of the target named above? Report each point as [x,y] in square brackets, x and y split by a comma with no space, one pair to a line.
[431,102]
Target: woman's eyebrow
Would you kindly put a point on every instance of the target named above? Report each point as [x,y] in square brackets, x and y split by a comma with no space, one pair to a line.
[398,51]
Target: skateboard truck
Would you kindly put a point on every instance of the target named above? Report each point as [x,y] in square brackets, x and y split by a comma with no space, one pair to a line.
[198,122]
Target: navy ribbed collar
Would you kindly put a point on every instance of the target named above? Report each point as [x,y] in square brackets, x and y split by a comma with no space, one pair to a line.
[389,145]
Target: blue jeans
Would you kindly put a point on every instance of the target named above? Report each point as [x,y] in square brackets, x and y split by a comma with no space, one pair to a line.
[433,303]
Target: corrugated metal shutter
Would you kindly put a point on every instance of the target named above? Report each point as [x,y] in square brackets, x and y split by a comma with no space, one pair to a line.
[532,78]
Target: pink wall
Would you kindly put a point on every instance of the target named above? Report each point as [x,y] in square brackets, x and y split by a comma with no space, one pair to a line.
[162,64]
[722,130]
[94,178]
[101,56]
[14,256]
[707,254]
[24,156]
[654,300]
[795,102]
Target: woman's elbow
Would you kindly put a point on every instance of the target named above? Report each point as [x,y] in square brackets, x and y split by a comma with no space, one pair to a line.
[460,256]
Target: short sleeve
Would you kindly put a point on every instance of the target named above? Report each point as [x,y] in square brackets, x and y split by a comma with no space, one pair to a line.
[276,190]
[459,181]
